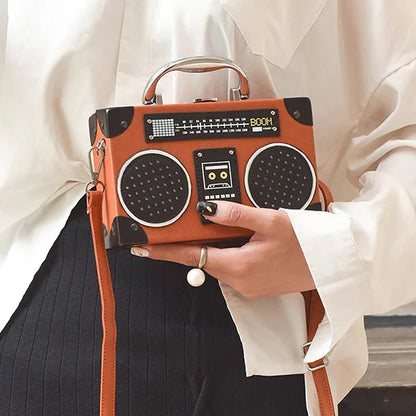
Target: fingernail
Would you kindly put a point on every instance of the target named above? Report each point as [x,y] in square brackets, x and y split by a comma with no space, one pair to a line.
[139,251]
[206,208]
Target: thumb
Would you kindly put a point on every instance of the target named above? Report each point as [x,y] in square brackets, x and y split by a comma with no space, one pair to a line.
[236,215]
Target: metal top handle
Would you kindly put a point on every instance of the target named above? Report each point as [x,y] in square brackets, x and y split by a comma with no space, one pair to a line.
[196,64]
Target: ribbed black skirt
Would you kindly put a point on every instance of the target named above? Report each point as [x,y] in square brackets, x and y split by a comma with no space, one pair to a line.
[178,352]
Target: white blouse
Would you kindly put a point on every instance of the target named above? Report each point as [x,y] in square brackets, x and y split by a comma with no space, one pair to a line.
[61,60]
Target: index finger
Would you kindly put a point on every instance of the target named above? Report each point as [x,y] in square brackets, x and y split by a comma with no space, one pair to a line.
[238,215]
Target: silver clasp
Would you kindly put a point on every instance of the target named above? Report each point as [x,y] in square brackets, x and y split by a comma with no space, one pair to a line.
[100,150]
[325,360]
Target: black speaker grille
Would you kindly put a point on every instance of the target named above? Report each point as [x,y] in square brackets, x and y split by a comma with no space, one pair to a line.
[280,176]
[154,188]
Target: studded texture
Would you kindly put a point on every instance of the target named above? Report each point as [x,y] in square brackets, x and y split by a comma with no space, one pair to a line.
[154,188]
[280,177]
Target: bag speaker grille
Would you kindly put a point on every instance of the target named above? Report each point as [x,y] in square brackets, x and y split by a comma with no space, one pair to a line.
[280,176]
[154,188]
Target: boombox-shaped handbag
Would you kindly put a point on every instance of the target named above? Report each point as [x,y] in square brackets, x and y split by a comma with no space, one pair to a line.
[151,164]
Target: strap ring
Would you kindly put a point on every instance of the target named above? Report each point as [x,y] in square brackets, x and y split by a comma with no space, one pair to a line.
[94,183]
[325,359]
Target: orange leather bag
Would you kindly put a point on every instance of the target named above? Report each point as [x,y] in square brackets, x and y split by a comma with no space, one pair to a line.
[151,164]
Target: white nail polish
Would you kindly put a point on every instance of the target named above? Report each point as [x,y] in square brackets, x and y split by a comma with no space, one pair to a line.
[139,251]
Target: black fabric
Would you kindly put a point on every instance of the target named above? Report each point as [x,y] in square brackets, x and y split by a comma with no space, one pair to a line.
[178,351]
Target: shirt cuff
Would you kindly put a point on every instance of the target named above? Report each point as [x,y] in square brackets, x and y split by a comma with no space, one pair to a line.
[272,331]
[339,274]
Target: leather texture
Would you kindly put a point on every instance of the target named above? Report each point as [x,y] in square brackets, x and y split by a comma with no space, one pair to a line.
[326,194]
[131,141]
[314,314]
[108,349]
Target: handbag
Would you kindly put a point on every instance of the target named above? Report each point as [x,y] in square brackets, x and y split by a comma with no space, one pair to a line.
[151,164]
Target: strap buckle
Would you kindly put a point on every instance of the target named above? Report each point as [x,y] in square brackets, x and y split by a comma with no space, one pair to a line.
[325,359]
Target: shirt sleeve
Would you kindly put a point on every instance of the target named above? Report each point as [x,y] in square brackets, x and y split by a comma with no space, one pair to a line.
[3,33]
[361,253]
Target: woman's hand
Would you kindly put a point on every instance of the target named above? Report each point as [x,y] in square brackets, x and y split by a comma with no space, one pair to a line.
[270,264]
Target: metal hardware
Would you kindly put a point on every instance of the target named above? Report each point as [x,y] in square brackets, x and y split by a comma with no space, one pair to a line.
[318,367]
[305,348]
[235,95]
[205,100]
[91,184]
[197,64]
[325,359]
[99,149]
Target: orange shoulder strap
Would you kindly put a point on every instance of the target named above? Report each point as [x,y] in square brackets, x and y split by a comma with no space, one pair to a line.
[314,314]
[108,312]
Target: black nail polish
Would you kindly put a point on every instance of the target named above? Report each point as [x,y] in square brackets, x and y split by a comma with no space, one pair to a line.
[206,208]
